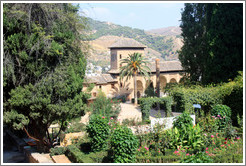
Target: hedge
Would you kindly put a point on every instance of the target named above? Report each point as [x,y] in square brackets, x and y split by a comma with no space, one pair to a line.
[228,158]
[158,159]
[147,103]
[76,156]
[230,94]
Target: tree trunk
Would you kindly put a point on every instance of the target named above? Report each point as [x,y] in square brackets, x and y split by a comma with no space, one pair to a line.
[135,89]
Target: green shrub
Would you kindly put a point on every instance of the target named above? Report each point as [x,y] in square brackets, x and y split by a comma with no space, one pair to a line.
[157,159]
[105,106]
[150,91]
[123,145]
[205,96]
[147,103]
[230,158]
[99,157]
[98,131]
[234,100]
[57,151]
[200,157]
[222,113]
[191,137]
[76,156]
[183,121]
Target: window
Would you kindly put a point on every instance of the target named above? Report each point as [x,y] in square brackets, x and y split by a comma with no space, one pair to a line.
[94,94]
[112,86]
[120,56]
[121,85]
[100,86]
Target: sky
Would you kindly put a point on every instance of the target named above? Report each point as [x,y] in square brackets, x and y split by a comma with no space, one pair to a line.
[140,15]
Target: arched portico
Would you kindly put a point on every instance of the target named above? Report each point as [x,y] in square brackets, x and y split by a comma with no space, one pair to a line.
[140,88]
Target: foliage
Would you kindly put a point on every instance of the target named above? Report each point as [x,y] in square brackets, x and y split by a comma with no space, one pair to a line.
[223,115]
[57,151]
[43,66]
[76,156]
[74,125]
[105,106]
[205,96]
[157,159]
[189,138]
[208,124]
[123,145]
[147,103]
[150,91]
[98,131]
[212,50]
[183,121]
[234,100]
[133,65]
[197,158]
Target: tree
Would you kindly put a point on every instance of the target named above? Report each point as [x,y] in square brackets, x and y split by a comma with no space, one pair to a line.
[194,52]
[225,37]
[133,65]
[213,41]
[43,66]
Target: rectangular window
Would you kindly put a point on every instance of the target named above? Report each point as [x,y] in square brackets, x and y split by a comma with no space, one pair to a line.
[100,86]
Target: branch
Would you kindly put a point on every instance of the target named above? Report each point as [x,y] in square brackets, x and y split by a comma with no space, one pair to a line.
[59,130]
[30,135]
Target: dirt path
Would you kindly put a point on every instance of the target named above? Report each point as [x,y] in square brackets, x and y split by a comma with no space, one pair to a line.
[129,111]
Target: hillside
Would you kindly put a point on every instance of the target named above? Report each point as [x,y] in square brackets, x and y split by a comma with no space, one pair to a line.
[103,34]
[168,31]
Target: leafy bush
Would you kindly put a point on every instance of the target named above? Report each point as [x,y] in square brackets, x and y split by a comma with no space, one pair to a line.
[99,157]
[222,114]
[106,107]
[157,159]
[74,125]
[235,99]
[200,157]
[150,91]
[147,103]
[191,137]
[76,156]
[57,151]
[98,131]
[205,96]
[183,121]
[123,145]
[230,94]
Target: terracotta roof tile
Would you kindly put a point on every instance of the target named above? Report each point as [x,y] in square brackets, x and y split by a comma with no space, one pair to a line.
[126,43]
[101,79]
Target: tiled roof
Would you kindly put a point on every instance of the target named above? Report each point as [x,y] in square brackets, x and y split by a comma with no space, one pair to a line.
[164,67]
[127,43]
[167,66]
[101,79]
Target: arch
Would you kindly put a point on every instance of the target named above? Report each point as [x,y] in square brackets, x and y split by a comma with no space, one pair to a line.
[173,80]
[149,83]
[139,88]
[163,82]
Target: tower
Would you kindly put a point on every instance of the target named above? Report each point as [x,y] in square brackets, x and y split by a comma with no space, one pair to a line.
[120,50]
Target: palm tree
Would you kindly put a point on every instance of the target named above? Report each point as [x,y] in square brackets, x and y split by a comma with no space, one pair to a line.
[134,64]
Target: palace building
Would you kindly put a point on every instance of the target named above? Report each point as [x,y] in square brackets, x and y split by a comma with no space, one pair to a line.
[110,84]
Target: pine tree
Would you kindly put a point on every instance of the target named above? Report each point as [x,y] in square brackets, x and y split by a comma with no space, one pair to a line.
[44,67]
[213,41]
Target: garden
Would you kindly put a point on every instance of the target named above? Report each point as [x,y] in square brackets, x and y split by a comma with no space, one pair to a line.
[216,137]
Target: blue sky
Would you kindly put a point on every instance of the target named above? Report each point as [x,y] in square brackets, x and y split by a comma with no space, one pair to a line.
[136,15]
